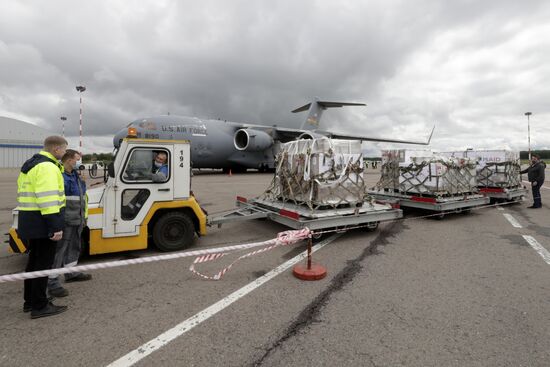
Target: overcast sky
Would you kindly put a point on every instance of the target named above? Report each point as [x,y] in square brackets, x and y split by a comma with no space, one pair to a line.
[471,68]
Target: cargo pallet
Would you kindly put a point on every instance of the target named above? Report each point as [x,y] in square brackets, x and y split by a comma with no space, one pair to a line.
[441,205]
[300,216]
[504,193]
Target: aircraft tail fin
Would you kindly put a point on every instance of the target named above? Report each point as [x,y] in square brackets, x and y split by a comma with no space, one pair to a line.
[315,110]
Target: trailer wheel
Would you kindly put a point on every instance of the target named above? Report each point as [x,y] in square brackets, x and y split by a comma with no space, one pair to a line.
[173,231]
[372,226]
[316,235]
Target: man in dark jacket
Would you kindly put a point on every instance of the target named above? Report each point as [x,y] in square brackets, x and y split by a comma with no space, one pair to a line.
[535,175]
[68,249]
[41,206]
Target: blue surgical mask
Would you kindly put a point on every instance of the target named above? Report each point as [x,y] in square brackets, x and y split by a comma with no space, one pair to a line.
[157,164]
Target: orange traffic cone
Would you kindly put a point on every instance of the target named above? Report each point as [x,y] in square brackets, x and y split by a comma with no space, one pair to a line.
[230,174]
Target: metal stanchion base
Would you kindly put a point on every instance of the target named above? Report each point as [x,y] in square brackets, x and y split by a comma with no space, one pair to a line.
[316,272]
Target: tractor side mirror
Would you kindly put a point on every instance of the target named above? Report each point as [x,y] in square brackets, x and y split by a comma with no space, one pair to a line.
[111,169]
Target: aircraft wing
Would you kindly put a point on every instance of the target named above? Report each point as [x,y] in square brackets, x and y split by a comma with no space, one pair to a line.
[289,134]
[385,140]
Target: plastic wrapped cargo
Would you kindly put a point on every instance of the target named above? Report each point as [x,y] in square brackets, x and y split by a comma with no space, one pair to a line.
[426,173]
[319,173]
[494,168]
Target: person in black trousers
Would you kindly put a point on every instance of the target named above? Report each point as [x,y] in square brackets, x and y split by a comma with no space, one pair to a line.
[535,175]
[41,205]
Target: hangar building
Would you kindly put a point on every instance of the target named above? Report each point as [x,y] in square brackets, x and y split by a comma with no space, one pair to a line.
[19,141]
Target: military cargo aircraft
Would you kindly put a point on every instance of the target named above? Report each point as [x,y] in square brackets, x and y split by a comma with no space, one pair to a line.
[239,146]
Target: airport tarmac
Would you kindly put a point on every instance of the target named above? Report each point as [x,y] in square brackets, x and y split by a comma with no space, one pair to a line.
[468,290]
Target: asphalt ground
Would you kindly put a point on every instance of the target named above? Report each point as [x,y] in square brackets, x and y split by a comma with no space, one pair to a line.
[467,290]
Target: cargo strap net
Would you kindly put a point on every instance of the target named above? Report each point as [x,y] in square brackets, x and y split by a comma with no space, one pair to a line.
[318,180]
[501,174]
[452,178]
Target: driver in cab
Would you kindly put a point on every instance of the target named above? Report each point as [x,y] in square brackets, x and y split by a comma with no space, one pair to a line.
[160,167]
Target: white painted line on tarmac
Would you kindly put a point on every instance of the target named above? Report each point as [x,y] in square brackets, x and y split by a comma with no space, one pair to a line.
[538,248]
[512,220]
[500,208]
[160,341]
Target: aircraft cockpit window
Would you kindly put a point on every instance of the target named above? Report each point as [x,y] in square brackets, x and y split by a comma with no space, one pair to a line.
[147,165]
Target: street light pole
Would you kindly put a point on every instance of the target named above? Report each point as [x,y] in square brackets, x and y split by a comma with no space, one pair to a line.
[63,119]
[80,89]
[528,134]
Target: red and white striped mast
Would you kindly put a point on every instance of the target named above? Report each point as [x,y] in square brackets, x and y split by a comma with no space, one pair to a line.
[80,89]
[63,119]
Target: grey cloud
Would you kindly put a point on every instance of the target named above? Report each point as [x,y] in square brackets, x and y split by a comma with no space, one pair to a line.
[255,61]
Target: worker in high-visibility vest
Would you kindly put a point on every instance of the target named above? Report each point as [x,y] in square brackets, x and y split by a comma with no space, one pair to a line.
[41,206]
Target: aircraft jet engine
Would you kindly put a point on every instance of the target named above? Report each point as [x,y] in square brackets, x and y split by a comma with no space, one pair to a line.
[311,135]
[252,140]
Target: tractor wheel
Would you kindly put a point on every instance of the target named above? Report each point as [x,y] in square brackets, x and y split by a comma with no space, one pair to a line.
[173,231]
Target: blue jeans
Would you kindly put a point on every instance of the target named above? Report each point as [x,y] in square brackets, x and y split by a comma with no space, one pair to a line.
[536,196]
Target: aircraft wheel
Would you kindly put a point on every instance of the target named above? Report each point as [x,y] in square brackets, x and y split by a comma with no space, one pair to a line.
[173,231]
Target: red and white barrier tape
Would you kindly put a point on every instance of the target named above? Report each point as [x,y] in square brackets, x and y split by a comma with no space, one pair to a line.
[281,238]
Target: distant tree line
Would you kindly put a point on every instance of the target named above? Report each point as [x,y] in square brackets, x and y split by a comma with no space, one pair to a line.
[105,157]
[544,154]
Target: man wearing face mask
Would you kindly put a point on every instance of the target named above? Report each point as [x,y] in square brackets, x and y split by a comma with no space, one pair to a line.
[535,175]
[160,167]
[76,212]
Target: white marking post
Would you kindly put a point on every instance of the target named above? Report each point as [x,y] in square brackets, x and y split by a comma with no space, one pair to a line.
[512,220]
[538,248]
[144,350]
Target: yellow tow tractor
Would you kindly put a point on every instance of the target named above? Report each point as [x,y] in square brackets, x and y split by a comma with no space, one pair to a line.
[135,205]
